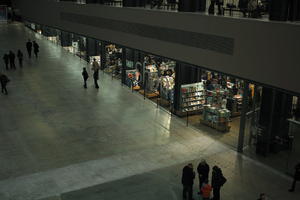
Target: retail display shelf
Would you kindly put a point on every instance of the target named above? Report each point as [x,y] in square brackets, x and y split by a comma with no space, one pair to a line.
[193,100]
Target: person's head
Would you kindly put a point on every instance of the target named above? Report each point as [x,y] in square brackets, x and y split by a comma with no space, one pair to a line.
[29,40]
[84,69]
[203,161]
[190,165]
[262,196]
[94,59]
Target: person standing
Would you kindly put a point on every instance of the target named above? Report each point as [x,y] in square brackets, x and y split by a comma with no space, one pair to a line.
[187,180]
[6,60]
[3,80]
[29,48]
[20,58]
[12,57]
[217,181]
[203,171]
[296,177]
[35,49]
[85,76]
[96,68]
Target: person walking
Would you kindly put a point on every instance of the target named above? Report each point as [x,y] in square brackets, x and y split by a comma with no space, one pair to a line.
[187,180]
[217,181]
[12,57]
[6,60]
[29,48]
[203,171]
[96,68]
[85,76]
[3,80]
[206,190]
[296,177]
[20,58]
[35,49]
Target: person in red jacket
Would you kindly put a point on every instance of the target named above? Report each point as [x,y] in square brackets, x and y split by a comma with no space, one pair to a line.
[206,190]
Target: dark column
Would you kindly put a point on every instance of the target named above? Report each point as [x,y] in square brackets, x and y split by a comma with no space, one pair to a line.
[66,39]
[278,10]
[103,55]
[123,65]
[276,108]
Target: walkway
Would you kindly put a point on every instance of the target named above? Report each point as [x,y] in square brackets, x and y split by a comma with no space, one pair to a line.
[58,139]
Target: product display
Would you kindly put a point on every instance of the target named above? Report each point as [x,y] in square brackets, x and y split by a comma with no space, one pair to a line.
[192,97]
[217,118]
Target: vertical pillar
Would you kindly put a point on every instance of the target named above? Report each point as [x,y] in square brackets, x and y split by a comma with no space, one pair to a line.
[103,55]
[123,65]
[243,117]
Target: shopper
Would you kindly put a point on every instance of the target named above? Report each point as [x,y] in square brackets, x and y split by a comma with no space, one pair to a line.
[20,58]
[206,190]
[203,171]
[217,181]
[296,177]
[96,68]
[12,57]
[35,49]
[211,8]
[29,48]
[85,76]
[6,60]
[220,3]
[262,196]
[3,80]
[187,180]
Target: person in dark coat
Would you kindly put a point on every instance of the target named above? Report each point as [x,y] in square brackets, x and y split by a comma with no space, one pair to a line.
[12,57]
[29,48]
[220,3]
[6,60]
[187,180]
[96,68]
[85,76]
[296,177]
[20,57]
[203,171]
[217,181]
[3,80]
[211,8]
[243,5]
[35,48]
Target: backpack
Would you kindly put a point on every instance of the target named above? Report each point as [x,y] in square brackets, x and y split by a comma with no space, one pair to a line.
[223,180]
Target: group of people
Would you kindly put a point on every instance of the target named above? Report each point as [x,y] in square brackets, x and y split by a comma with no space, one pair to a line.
[9,61]
[205,189]
[85,75]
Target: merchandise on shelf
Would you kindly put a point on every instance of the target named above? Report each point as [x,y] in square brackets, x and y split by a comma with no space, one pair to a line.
[192,97]
[217,118]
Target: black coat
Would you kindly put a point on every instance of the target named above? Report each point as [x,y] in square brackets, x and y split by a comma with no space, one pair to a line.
[188,176]
[217,178]
[12,57]
[6,58]
[36,47]
[85,75]
[29,46]
[297,172]
[203,170]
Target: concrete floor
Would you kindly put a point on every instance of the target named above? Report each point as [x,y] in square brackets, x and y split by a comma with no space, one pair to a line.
[60,141]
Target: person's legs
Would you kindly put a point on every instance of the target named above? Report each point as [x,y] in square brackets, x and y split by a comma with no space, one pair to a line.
[96,83]
[21,62]
[190,192]
[293,186]
[85,86]
[14,65]
[216,193]
[6,65]
[184,192]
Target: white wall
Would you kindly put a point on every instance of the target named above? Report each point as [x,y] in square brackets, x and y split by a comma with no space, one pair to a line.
[265,52]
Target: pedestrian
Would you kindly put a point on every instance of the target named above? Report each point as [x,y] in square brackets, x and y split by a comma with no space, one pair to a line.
[3,80]
[12,57]
[206,190]
[217,181]
[85,76]
[203,171]
[187,180]
[20,58]
[35,49]
[262,196]
[29,48]
[6,60]
[296,177]
[211,8]
[96,68]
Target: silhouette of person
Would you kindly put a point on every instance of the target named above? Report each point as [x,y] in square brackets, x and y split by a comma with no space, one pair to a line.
[3,80]
[35,49]
[6,60]
[20,57]
[96,68]
[187,180]
[296,177]
[85,76]
[12,57]
[29,48]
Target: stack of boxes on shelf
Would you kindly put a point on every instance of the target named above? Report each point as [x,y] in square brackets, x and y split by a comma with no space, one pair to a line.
[192,97]
[216,118]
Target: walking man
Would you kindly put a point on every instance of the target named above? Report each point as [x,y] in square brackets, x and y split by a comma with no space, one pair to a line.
[296,177]
[29,48]
[203,171]
[217,181]
[20,58]
[187,180]
[96,68]
[85,76]
[3,80]
[35,49]
[6,60]
[12,57]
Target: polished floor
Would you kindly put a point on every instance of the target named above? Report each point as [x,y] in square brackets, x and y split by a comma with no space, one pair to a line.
[60,141]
